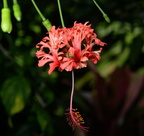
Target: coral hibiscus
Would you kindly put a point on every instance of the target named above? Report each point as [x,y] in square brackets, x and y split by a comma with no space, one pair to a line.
[69,48]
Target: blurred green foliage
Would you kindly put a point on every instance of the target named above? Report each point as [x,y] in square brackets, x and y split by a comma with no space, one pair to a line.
[109,95]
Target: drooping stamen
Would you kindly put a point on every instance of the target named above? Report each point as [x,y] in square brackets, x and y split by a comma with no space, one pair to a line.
[75,119]
[73,116]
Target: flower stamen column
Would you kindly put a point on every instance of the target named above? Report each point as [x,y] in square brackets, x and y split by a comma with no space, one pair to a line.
[73,116]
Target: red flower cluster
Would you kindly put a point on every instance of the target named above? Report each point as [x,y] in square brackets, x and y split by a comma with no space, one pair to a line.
[69,48]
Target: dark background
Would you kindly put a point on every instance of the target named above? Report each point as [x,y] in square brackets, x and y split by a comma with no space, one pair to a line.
[109,95]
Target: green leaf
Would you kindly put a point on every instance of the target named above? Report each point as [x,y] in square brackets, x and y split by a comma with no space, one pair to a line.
[43,119]
[15,93]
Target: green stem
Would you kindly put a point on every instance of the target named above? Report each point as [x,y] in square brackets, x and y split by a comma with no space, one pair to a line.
[39,12]
[60,12]
[104,15]
[15,2]
[98,7]
[5,4]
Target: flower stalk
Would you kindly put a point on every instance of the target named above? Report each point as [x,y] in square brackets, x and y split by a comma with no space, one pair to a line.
[5,4]
[104,15]
[60,12]
[46,23]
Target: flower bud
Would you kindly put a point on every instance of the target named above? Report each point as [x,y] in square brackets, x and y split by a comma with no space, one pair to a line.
[6,24]
[47,24]
[17,12]
[106,18]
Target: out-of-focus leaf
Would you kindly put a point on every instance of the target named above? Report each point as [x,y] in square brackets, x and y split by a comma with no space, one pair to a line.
[44,119]
[10,122]
[141,103]
[82,81]
[108,65]
[119,83]
[15,93]
[19,60]
[116,27]
[123,57]
[59,111]
[133,91]
[48,96]
[136,51]
[99,92]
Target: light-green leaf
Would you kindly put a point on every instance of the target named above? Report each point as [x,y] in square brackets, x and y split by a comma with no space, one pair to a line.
[15,93]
